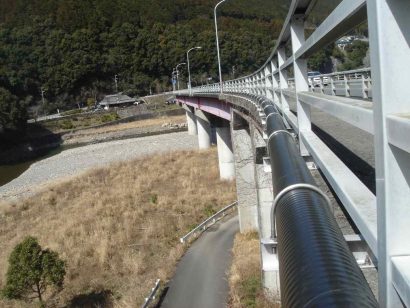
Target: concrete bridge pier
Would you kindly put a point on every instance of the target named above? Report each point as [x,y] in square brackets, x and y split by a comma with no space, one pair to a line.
[191,120]
[269,256]
[245,175]
[225,152]
[204,129]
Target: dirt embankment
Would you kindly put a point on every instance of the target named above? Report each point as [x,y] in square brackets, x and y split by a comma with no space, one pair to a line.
[245,277]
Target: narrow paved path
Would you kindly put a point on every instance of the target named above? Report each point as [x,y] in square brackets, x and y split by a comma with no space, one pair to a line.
[201,277]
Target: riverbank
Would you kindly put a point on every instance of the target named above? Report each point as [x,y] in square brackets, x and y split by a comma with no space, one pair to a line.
[136,129]
[78,160]
[50,135]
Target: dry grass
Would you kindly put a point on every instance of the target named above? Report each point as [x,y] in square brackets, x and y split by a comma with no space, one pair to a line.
[118,227]
[138,124]
[245,277]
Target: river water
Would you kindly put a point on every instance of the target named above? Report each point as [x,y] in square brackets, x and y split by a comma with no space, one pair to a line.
[10,172]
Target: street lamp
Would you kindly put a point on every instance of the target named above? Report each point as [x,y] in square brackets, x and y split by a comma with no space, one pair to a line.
[189,72]
[217,45]
[183,63]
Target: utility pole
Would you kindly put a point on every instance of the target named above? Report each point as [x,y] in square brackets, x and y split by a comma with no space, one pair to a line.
[42,99]
[116,83]
[42,95]
[174,72]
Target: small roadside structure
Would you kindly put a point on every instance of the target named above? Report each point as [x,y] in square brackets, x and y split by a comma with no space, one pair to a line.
[117,100]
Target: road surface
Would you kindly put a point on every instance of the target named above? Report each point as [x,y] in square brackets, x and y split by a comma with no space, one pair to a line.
[201,279]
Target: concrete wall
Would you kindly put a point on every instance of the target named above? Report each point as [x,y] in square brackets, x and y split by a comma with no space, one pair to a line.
[245,175]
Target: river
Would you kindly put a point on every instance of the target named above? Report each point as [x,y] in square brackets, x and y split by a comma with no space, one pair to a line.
[12,171]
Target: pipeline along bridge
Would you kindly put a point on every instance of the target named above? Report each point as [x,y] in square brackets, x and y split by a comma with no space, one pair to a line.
[274,127]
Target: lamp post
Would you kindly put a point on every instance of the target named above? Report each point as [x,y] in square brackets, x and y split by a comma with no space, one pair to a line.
[189,72]
[183,63]
[217,45]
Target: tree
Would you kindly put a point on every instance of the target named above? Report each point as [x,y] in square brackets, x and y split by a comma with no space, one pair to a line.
[321,61]
[32,270]
[13,114]
[355,53]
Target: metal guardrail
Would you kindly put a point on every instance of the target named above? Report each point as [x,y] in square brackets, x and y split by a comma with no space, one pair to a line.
[208,222]
[152,294]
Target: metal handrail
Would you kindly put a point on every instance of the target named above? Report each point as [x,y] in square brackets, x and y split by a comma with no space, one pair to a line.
[204,225]
[151,295]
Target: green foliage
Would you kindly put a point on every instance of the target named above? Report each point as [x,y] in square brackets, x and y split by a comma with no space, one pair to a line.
[13,114]
[209,210]
[73,48]
[250,289]
[31,270]
[355,53]
[153,199]
[66,124]
[321,61]
[91,102]
[109,117]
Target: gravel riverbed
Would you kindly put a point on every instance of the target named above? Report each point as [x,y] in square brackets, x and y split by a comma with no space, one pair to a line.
[75,161]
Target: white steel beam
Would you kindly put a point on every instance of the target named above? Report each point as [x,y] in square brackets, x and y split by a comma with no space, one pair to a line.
[275,83]
[357,199]
[346,16]
[297,29]
[389,25]
[283,79]
[401,277]
[398,131]
[353,111]
[287,63]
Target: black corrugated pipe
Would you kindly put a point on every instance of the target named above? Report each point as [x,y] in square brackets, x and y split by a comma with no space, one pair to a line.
[317,268]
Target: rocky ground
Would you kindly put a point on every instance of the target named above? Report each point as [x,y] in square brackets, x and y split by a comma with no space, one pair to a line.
[80,159]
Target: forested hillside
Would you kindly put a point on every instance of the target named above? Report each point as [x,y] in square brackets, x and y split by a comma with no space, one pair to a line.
[73,48]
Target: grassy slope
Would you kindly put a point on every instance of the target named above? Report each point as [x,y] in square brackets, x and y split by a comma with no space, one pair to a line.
[245,276]
[118,227]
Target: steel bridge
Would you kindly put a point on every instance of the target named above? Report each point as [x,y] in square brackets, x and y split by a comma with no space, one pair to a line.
[268,138]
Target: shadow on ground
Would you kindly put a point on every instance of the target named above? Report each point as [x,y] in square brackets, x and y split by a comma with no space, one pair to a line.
[101,299]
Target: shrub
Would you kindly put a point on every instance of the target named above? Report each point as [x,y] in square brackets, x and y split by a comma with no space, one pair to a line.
[109,117]
[209,210]
[66,124]
[153,198]
[32,270]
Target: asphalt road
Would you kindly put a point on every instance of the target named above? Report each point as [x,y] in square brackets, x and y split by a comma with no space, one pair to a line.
[200,280]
